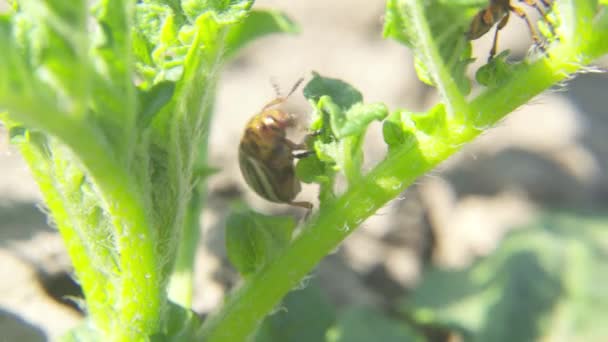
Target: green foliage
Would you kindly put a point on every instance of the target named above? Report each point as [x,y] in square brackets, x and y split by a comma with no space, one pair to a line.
[342,94]
[303,315]
[498,69]
[109,102]
[256,25]
[417,141]
[360,324]
[306,315]
[438,33]
[341,119]
[253,239]
[116,160]
[543,283]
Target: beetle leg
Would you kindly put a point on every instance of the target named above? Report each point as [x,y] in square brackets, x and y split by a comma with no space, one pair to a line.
[522,14]
[294,146]
[301,204]
[534,3]
[315,133]
[303,154]
[541,10]
[503,22]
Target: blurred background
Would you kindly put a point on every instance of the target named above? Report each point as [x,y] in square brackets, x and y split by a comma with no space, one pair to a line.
[550,156]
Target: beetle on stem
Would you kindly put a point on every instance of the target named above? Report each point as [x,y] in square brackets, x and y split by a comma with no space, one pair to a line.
[498,12]
[266,155]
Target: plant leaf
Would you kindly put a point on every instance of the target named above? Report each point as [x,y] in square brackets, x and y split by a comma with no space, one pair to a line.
[257,24]
[304,315]
[447,22]
[543,283]
[361,324]
[253,239]
[153,100]
[341,118]
[342,94]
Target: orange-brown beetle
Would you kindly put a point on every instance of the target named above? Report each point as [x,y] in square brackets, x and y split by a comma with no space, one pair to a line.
[266,155]
[498,12]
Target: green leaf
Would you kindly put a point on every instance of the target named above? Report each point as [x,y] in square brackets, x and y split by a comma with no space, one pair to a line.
[253,239]
[404,128]
[357,118]
[153,100]
[85,332]
[311,170]
[495,71]
[257,24]
[441,30]
[303,316]
[17,135]
[543,283]
[181,325]
[342,94]
[361,324]
[224,11]
[394,132]
[341,120]
[161,38]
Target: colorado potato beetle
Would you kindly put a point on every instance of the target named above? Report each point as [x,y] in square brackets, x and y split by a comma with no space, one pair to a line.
[498,12]
[266,155]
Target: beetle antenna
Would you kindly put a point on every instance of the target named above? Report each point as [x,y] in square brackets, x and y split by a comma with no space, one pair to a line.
[279,98]
[295,86]
[275,86]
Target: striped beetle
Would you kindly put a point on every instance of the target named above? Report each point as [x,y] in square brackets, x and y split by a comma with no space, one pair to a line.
[497,13]
[266,155]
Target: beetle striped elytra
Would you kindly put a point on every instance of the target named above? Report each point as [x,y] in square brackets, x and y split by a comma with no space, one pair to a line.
[266,155]
[498,12]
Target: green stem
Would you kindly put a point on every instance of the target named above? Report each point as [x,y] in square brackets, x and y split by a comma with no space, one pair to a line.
[182,279]
[94,282]
[248,305]
[140,295]
[427,48]
[195,113]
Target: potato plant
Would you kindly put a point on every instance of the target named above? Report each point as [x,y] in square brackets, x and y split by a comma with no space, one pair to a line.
[109,102]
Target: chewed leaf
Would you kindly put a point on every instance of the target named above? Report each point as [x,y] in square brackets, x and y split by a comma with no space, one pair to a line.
[257,24]
[341,93]
[359,116]
[341,120]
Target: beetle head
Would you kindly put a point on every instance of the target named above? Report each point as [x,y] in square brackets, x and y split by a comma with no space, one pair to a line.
[276,120]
